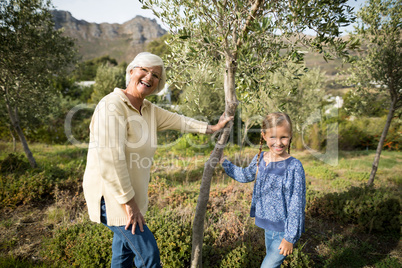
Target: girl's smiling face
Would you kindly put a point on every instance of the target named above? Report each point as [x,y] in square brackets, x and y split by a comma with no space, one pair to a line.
[278,140]
[145,79]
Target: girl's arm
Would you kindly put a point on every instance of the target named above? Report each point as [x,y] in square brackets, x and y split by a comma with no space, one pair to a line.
[295,196]
[241,174]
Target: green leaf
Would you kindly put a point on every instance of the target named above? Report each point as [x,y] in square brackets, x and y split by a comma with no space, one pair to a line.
[184,37]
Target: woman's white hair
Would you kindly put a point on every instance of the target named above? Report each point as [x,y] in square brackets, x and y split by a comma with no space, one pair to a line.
[146,59]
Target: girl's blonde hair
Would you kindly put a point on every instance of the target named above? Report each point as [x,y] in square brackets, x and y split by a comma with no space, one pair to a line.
[273,120]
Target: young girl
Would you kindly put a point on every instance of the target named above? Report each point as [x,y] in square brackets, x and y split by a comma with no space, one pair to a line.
[279,195]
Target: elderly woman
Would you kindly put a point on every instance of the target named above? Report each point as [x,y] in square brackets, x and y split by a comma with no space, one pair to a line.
[123,140]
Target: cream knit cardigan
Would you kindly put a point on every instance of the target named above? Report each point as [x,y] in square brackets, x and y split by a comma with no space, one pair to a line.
[122,145]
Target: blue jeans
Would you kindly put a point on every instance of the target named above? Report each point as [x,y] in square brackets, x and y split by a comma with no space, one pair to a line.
[141,247]
[272,241]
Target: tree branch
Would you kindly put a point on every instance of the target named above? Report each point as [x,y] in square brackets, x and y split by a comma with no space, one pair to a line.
[251,17]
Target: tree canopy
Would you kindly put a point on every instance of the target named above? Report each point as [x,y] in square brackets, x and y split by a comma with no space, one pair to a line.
[32,53]
[377,70]
[246,39]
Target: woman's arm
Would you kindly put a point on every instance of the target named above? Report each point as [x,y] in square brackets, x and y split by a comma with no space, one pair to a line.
[170,120]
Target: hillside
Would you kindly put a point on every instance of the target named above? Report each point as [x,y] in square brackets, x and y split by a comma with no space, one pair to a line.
[119,41]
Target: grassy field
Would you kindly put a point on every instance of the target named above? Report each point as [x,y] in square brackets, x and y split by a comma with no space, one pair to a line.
[44,221]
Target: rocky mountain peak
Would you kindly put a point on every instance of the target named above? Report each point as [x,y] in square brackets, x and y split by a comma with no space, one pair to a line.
[121,41]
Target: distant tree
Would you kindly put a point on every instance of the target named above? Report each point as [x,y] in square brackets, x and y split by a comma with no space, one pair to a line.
[370,104]
[86,70]
[32,52]
[246,37]
[378,70]
[107,78]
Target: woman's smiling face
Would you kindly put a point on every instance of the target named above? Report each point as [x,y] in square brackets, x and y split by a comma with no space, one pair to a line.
[278,139]
[145,79]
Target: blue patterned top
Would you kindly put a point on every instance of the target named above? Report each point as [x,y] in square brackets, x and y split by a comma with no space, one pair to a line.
[279,196]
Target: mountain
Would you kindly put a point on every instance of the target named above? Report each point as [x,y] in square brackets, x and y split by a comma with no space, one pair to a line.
[119,41]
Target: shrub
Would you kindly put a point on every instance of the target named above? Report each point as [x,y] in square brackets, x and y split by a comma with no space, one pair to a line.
[31,185]
[364,133]
[173,235]
[13,163]
[370,209]
[388,262]
[81,245]
[298,258]
[14,262]
[244,255]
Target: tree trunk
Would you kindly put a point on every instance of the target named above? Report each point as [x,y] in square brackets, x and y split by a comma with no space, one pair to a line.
[14,141]
[381,142]
[246,127]
[209,167]
[16,125]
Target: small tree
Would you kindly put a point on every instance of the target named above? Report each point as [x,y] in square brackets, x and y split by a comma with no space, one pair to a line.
[244,37]
[379,67]
[32,52]
[107,78]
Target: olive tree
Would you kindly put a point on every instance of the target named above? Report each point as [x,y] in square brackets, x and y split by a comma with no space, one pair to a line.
[246,39]
[107,78]
[293,89]
[32,53]
[378,68]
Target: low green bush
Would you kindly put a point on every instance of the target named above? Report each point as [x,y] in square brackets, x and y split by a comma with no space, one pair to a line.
[173,236]
[244,255]
[363,133]
[32,185]
[370,209]
[298,259]
[81,245]
[10,261]
[389,262]
[29,187]
[14,163]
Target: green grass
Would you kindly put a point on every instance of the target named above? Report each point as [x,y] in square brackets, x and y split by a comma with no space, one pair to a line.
[59,215]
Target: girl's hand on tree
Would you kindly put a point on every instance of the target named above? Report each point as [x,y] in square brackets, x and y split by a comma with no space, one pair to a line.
[134,216]
[286,248]
[223,157]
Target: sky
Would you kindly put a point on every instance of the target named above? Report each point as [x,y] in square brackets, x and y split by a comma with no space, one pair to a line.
[119,11]
[110,11]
